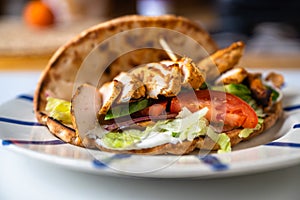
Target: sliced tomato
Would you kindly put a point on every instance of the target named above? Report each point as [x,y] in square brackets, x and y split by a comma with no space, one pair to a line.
[223,107]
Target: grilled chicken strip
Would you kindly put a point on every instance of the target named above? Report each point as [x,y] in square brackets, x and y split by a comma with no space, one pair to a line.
[192,77]
[276,79]
[221,61]
[159,79]
[260,92]
[132,88]
[109,93]
[151,80]
[235,75]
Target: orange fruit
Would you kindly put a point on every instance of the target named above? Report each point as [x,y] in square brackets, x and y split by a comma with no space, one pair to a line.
[37,13]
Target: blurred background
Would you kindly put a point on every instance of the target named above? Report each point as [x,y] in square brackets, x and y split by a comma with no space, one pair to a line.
[30,31]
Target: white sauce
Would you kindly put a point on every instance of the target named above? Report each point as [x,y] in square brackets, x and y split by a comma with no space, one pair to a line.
[156,139]
[152,140]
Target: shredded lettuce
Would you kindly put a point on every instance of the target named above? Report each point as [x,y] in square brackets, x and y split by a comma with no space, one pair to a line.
[59,109]
[122,140]
[224,142]
[221,139]
[246,132]
[186,126]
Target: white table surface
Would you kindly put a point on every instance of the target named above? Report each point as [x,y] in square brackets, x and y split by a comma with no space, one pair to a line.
[22,177]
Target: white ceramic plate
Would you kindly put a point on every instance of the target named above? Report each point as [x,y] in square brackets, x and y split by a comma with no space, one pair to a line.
[276,148]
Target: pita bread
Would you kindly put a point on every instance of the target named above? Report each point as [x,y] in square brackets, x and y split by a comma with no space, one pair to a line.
[58,77]
[57,80]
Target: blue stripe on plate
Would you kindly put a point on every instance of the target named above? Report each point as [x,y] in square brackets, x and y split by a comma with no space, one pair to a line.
[284,144]
[99,164]
[296,126]
[291,108]
[47,142]
[106,161]
[213,162]
[19,122]
[25,97]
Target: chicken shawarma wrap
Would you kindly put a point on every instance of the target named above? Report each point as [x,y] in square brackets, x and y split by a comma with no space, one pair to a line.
[154,92]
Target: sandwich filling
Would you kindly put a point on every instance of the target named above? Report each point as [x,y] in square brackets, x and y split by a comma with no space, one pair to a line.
[175,101]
